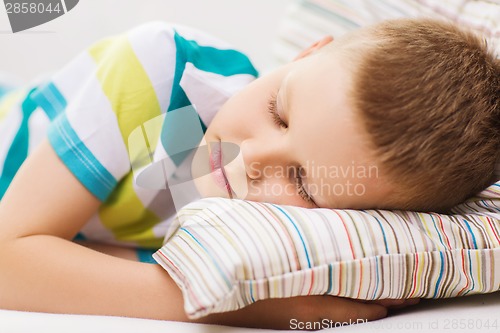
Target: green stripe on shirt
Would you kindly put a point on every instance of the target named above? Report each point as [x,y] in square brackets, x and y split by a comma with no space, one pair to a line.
[123,78]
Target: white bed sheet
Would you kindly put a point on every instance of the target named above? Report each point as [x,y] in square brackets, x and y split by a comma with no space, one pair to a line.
[465,314]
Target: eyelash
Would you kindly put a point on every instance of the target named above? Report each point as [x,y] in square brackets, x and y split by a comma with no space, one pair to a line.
[300,187]
[272,108]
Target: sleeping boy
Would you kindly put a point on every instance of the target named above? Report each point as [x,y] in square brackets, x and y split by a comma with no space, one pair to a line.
[416,99]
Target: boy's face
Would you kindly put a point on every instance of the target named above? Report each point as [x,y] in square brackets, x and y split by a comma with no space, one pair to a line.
[310,153]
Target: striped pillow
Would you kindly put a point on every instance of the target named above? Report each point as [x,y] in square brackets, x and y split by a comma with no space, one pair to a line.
[226,254]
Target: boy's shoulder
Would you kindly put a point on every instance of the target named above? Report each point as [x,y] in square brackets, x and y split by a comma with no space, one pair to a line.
[154,32]
[159,42]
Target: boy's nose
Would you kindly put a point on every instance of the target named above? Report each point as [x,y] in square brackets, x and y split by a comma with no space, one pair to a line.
[260,156]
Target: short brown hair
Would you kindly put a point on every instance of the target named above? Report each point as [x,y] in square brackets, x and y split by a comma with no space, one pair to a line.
[428,95]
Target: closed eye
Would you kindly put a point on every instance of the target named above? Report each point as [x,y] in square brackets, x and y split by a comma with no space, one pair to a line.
[300,187]
[273,110]
[272,106]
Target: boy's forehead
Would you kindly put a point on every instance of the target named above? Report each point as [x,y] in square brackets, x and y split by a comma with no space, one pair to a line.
[326,74]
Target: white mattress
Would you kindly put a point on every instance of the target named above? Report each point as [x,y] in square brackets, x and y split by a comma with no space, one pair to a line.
[479,313]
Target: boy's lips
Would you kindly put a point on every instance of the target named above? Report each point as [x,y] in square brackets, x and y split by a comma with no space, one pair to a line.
[217,167]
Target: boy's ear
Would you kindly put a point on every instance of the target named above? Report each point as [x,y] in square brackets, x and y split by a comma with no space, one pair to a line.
[314,47]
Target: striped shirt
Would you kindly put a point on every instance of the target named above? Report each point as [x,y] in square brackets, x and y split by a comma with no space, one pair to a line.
[90,109]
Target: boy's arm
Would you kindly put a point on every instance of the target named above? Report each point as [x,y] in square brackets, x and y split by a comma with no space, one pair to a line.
[41,269]
[112,250]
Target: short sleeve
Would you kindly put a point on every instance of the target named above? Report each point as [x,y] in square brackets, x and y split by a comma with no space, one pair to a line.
[100,97]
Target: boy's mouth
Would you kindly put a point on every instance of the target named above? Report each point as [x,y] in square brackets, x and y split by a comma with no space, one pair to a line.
[217,167]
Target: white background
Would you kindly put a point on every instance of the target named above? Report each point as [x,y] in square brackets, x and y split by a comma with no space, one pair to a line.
[250,25]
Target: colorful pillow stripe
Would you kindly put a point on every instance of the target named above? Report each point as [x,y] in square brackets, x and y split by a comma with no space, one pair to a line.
[226,254]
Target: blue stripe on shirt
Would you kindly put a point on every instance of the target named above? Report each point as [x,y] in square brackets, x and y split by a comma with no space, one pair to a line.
[50,99]
[210,59]
[79,159]
[18,150]
[145,255]
[226,62]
